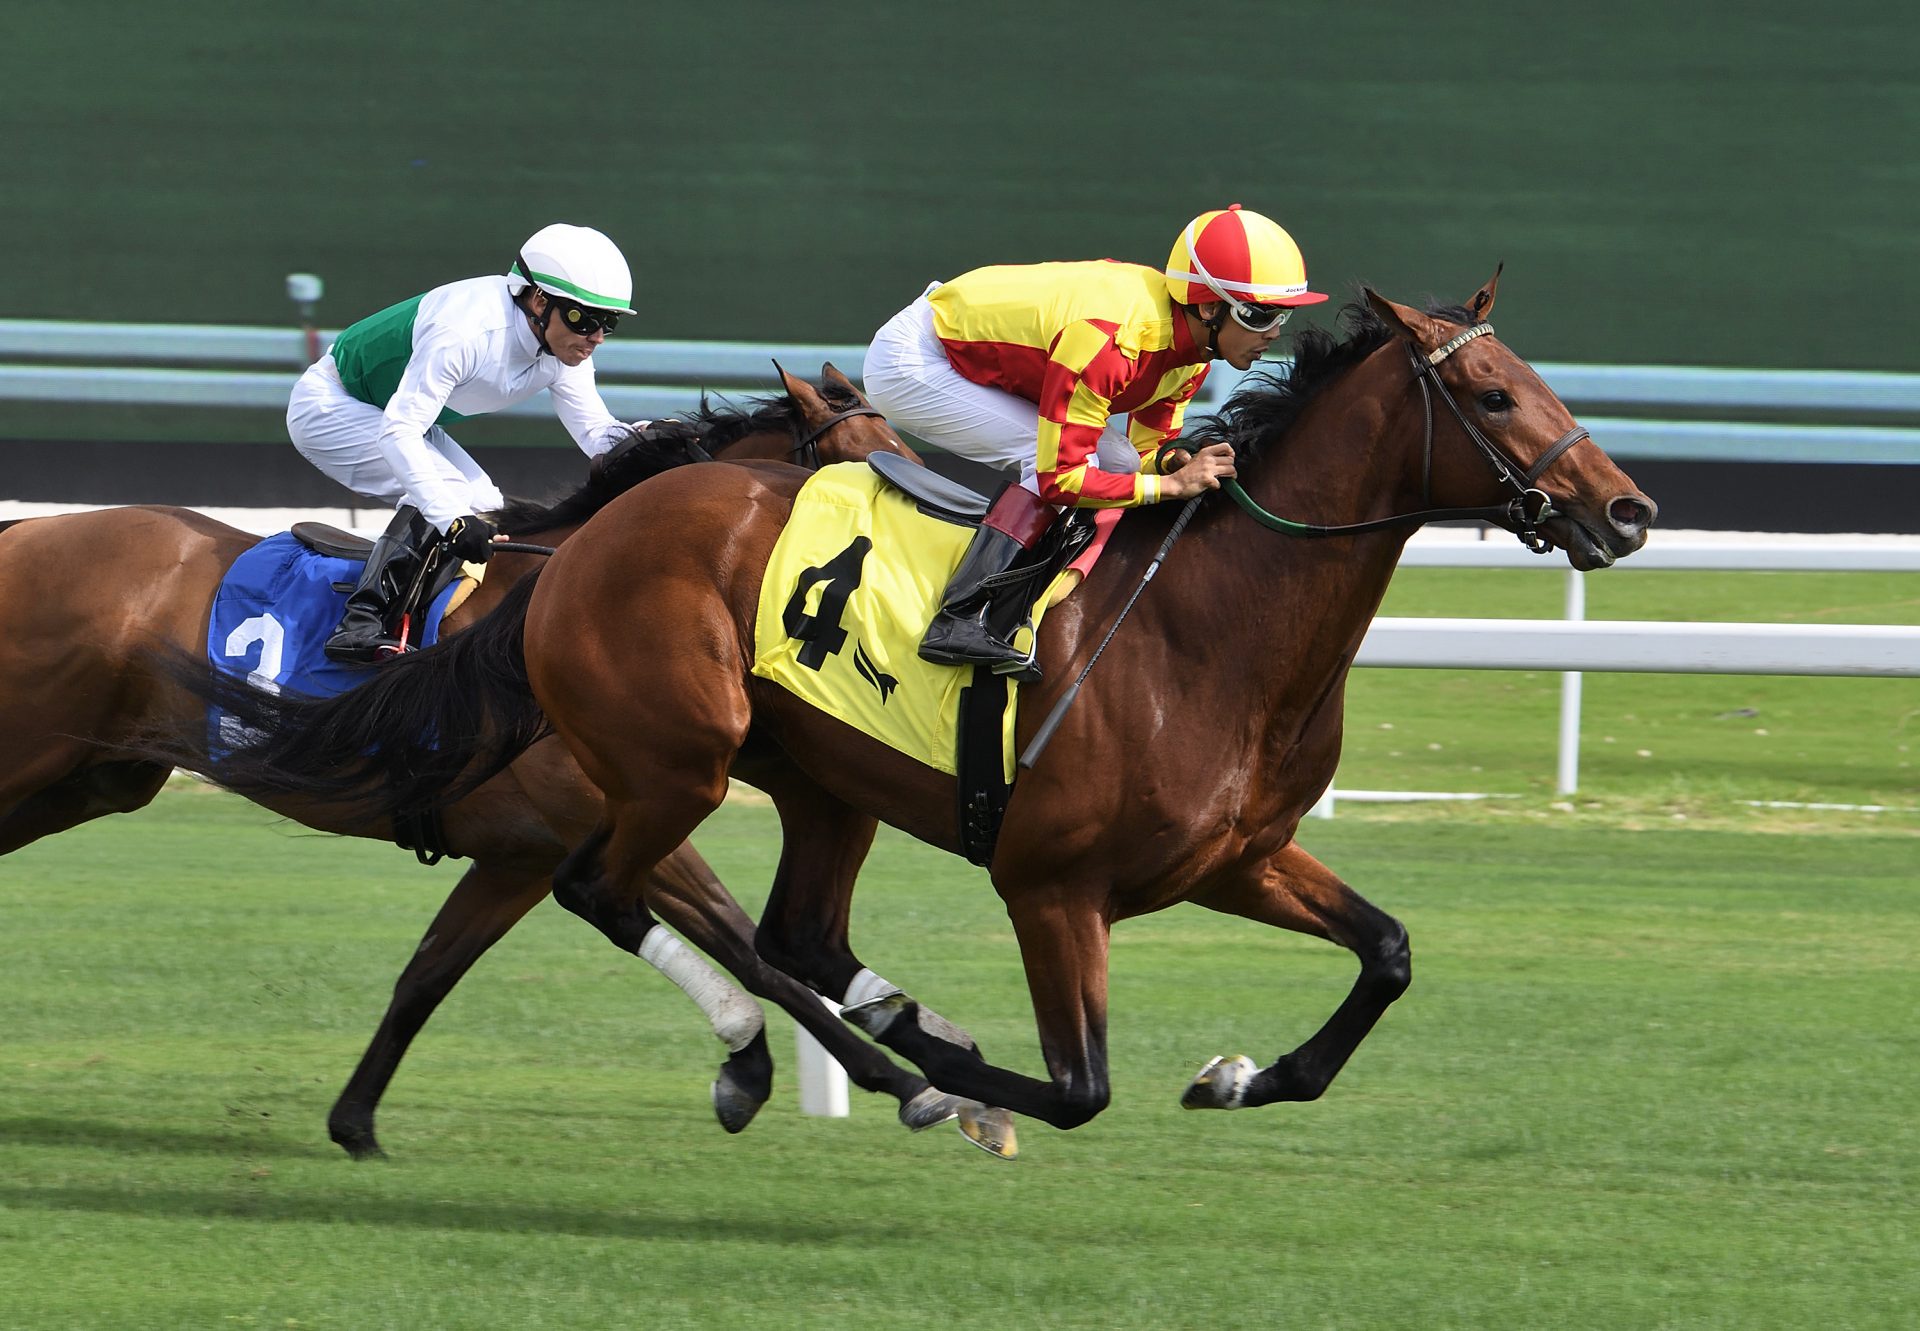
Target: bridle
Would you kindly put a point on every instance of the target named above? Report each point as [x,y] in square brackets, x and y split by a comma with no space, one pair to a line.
[807,451]
[1523,515]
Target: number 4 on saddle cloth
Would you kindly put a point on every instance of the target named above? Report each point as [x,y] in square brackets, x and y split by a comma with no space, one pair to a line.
[853,582]
[280,600]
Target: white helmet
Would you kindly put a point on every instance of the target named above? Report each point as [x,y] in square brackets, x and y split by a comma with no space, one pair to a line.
[577,262]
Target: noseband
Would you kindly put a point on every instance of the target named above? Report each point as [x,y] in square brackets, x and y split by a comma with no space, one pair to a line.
[807,451]
[1522,515]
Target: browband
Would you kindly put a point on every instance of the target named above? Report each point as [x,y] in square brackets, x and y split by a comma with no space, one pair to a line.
[1459,340]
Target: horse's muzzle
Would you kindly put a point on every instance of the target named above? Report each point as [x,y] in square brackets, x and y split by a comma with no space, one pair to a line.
[1593,542]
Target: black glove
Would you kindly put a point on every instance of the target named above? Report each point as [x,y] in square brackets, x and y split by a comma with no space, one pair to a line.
[471,538]
[667,430]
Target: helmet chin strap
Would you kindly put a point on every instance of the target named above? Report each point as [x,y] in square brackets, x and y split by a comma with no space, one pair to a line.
[540,324]
[1213,332]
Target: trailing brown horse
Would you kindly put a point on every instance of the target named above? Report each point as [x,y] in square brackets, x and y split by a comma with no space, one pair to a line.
[85,597]
[1211,725]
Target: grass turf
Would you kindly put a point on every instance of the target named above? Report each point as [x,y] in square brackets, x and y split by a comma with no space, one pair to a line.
[1652,1080]
[1655,1069]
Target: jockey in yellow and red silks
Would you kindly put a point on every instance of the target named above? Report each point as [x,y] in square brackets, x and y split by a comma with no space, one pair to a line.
[1021,366]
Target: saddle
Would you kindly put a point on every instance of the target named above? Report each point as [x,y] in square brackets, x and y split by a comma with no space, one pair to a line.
[336,543]
[325,539]
[948,500]
[978,756]
[933,494]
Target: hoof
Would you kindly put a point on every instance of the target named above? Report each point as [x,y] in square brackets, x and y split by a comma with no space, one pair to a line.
[358,1142]
[990,1129]
[930,1109]
[875,1015]
[733,1104]
[1221,1084]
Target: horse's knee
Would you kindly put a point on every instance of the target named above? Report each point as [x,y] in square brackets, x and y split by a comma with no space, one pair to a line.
[579,885]
[574,880]
[806,955]
[772,947]
[1389,969]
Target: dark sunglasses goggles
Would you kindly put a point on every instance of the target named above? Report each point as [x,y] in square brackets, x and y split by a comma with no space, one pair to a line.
[583,319]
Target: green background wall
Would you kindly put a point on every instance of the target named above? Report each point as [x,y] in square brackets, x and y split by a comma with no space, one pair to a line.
[1712,183]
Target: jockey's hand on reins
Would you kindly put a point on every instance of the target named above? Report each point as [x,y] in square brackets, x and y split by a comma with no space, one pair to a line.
[1204,471]
[471,538]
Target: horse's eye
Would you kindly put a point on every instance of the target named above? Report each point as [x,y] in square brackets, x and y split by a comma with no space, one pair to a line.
[1495,400]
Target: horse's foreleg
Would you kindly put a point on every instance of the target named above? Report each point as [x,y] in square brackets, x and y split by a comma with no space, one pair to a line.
[1294,891]
[489,899]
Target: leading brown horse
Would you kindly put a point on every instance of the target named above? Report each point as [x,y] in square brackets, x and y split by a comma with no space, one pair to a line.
[84,597]
[1209,728]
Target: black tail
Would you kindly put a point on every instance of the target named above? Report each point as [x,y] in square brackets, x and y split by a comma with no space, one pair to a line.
[426,729]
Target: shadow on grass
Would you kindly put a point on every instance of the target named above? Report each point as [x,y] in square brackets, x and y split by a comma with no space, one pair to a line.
[47,1131]
[427,1214]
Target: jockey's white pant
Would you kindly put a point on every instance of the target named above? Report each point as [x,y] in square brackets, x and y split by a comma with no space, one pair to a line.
[909,378]
[340,434]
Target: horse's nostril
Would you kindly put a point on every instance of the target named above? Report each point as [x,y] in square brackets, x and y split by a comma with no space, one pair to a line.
[1631,514]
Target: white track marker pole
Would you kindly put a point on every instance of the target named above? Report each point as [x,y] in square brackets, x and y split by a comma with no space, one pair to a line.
[1569,775]
[823,1082]
[1323,807]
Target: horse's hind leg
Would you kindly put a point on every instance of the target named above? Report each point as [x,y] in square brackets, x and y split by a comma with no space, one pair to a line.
[489,899]
[1295,891]
[687,895]
[803,931]
[697,903]
[42,798]
[1063,943]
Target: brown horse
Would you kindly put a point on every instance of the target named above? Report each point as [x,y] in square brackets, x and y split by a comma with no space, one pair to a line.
[83,597]
[1210,726]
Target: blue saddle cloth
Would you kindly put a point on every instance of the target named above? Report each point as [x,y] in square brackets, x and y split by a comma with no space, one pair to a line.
[273,613]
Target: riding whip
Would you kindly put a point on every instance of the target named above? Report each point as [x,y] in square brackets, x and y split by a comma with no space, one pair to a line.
[1044,735]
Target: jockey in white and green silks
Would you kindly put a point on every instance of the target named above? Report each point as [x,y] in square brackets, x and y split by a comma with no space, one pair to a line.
[372,413]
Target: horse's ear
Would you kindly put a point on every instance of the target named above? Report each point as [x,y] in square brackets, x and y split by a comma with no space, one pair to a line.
[832,376]
[1482,302]
[805,396]
[1416,327]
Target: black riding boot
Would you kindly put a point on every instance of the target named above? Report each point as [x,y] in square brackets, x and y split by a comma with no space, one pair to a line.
[978,614]
[368,631]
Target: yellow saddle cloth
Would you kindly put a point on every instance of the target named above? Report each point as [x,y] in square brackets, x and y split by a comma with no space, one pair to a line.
[853,583]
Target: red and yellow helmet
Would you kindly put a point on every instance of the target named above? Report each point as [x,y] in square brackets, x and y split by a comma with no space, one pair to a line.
[1239,257]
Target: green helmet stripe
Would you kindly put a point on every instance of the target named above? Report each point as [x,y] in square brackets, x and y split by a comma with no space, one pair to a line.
[593,298]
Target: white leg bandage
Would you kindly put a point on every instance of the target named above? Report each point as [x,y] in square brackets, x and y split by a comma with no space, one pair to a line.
[734,1016]
[866,987]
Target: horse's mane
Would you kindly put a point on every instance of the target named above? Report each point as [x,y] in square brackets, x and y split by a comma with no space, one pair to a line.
[1256,419]
[711,426]
[720,426]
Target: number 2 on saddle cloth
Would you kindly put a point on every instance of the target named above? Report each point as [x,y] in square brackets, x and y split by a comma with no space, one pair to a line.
[273,612]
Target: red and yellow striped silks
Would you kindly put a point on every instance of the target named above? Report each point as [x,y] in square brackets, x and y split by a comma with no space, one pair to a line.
[1081,341]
